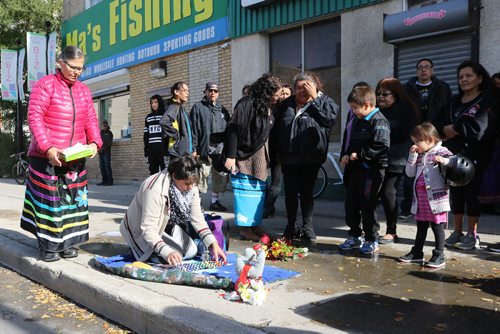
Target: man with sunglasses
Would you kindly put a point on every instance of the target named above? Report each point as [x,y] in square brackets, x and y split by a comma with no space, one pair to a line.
[209,116]
[430,95]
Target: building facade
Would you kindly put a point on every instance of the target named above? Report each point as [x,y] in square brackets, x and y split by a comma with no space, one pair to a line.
[344,42]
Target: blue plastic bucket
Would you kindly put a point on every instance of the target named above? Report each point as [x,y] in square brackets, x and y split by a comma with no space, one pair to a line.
[249,196]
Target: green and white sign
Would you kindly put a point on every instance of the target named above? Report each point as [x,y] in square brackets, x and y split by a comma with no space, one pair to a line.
[116,34]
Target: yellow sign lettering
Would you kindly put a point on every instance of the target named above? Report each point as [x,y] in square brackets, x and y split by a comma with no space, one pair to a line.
[96,37]
[204,10]
[135,26]
[114,18]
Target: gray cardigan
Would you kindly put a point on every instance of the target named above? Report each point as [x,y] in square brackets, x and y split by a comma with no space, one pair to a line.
[148,215]
[438,192]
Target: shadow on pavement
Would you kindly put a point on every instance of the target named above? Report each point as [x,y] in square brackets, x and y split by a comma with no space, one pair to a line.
[489,284]
[375,313]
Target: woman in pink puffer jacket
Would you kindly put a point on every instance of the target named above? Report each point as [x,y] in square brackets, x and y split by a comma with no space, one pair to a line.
[60,114]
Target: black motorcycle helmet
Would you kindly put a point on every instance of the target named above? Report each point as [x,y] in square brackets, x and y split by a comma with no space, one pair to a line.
[462,173]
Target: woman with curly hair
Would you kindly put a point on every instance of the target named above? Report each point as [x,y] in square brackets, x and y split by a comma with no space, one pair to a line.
[304,122]
[247,153]
[401,113]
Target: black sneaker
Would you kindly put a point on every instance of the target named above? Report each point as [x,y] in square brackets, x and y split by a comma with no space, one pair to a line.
[216,206]
[413,256]
[437,259]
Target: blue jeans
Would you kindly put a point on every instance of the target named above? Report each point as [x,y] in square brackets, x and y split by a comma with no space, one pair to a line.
[105,165]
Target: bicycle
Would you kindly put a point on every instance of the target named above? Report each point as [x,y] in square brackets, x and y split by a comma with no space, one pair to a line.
[20,168]
[322,181]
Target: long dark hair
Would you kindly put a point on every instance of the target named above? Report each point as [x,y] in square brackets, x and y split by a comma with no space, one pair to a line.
[262,91]
[399,93]
[486,84]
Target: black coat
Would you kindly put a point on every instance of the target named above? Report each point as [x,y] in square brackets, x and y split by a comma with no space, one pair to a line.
[402,119]
[246,132]
[176,130]
[439,98]
[370,140]
[476,123]
[304,138]
[206,119]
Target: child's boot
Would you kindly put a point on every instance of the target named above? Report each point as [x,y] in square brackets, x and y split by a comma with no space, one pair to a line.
[414,256]
[437,259]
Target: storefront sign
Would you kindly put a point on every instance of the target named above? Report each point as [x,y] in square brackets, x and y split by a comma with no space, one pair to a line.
[117,34]
[428,21]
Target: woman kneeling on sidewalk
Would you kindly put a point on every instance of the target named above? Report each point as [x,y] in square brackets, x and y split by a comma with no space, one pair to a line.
[156,225]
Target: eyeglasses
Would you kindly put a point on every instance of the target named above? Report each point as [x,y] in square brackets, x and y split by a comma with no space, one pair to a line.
[426,67]
[74,68]
[213,90]
[383,94]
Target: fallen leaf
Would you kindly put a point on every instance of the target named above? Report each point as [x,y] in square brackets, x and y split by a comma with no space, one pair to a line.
[440,327]
[399,318]
[405,299]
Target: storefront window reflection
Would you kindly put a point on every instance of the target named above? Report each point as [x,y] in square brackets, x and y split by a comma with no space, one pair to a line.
[116,110]
[321,52]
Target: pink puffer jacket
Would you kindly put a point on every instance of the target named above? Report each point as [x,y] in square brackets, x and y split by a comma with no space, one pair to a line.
[60,114]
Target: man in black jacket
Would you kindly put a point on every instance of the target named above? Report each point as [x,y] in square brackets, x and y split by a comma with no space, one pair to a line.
[430,95]
[105,155]
[209,116]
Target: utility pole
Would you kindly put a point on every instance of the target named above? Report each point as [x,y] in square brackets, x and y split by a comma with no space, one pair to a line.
[20,135]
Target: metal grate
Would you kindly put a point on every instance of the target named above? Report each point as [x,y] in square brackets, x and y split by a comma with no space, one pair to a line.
[446,52]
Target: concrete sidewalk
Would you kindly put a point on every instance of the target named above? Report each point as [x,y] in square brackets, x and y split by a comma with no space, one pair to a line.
[330,284]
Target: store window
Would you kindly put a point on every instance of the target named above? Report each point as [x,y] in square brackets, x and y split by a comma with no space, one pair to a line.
[313,47]
[116,110]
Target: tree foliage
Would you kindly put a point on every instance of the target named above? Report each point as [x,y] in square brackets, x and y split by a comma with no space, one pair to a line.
[17,17]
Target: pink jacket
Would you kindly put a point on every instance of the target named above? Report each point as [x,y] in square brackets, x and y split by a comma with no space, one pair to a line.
[60,114]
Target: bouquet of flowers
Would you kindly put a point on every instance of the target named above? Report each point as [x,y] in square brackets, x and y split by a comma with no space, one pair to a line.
[252,291]
[283,250]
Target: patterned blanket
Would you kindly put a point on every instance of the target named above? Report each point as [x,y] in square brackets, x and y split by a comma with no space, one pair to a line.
[194,272]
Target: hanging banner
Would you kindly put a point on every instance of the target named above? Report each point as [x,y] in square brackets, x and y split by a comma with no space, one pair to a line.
[9,75]
[20,68]
[51,53]
[37,51]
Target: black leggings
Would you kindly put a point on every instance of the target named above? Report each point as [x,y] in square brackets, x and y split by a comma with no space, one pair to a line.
[438,229]
[389,200]
[299,180]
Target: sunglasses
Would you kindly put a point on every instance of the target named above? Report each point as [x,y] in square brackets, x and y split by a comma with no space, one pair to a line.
[213,90]
[74,68]
[383,94]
